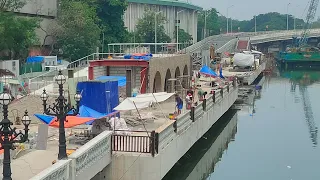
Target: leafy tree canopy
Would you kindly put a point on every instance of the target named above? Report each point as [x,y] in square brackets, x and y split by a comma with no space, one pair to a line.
[145,28]
[212,23]
[184,37]
[11,5]
[78,32]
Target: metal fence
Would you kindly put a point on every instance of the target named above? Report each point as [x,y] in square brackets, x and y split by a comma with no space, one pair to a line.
[135,141]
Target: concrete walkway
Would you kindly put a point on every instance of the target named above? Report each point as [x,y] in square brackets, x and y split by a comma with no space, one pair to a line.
[31,164]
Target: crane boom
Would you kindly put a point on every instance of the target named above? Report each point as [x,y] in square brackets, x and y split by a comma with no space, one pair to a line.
[309,19]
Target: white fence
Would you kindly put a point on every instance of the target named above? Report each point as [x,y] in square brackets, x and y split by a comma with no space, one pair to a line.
[84,163]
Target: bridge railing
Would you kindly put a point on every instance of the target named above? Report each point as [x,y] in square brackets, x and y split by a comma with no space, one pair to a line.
[84,163]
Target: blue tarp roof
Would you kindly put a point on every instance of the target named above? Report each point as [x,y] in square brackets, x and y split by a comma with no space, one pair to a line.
[84,111]
[207,71]
[121,79]
[35,59]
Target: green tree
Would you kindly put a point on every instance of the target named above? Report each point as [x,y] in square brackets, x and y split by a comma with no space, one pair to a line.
[208,19]
[110,13]
[184,38]
[145,28]
[78,32]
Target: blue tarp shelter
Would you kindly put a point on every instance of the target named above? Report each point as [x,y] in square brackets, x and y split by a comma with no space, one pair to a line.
[122,80]
[208,71]
[84,112]
[102,96]
[35,59]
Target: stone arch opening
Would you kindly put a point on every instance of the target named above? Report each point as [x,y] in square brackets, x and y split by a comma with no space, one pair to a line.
[167,87]
[178,81]
[157,82]
[185,77]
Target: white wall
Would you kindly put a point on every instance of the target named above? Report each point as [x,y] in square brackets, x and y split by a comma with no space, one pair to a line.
[11,65]
[40,7]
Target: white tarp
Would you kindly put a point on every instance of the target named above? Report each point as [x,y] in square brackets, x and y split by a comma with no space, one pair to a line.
[256,52]
[243,60]
[119,124]
[142,101]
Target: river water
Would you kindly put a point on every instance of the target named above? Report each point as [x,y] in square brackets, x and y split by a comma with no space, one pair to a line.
[272,137]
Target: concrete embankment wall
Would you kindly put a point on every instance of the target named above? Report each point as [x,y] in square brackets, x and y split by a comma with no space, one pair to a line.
[172,145]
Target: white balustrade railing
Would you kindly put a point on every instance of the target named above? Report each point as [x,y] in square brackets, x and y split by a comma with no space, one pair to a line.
[84,163]
[183,122]
[166,134]
[209,103]
[198,111]
[58,171]
[92,157]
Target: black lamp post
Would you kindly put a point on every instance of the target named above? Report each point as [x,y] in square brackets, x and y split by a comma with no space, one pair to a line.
[61,109]
[9,136]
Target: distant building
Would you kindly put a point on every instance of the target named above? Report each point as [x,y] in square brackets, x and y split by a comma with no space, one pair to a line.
[47,11]
[188,17]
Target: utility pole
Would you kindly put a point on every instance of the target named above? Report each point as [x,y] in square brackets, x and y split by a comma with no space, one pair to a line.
[205,24]
[178,24]
[155,31]
[288,16]
[255,24]
[228,18]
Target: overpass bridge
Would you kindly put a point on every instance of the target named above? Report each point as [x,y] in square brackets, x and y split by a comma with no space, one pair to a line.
[229,42]
[90,160]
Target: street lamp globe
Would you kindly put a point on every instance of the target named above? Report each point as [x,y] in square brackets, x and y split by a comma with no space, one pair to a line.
[44,96]
[5,98]
[60,78]
[26,119]
[77,96]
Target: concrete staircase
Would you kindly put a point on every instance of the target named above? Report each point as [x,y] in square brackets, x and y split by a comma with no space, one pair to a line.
[243,45]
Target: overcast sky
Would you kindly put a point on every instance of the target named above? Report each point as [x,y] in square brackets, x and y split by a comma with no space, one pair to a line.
[246,9]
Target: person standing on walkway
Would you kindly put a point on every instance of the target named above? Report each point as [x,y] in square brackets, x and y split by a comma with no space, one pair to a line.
[179,103]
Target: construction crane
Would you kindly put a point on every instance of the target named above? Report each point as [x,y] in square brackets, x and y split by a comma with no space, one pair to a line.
[308,24]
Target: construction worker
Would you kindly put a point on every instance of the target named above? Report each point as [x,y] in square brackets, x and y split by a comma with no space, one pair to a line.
[179,104]
[189,101]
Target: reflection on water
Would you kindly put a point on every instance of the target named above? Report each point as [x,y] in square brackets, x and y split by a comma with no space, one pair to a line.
[200,160]
[303,79]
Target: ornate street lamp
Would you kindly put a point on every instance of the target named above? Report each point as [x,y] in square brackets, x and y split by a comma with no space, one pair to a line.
[61,109]
[9,136]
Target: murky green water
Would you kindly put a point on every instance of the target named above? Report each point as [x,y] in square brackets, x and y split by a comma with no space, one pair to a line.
[273,138]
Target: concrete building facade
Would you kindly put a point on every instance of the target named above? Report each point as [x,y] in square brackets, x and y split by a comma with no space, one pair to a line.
[188,15]
[44,9]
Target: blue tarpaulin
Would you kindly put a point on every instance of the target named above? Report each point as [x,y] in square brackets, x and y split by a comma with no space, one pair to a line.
[44,118]
[84,111]
[121,79]
[100,96]
[35,59]
[207,71]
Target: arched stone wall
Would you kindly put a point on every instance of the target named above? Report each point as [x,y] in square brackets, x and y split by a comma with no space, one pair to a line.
[166,84]
[185,77]
[176,65]
[157,82]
